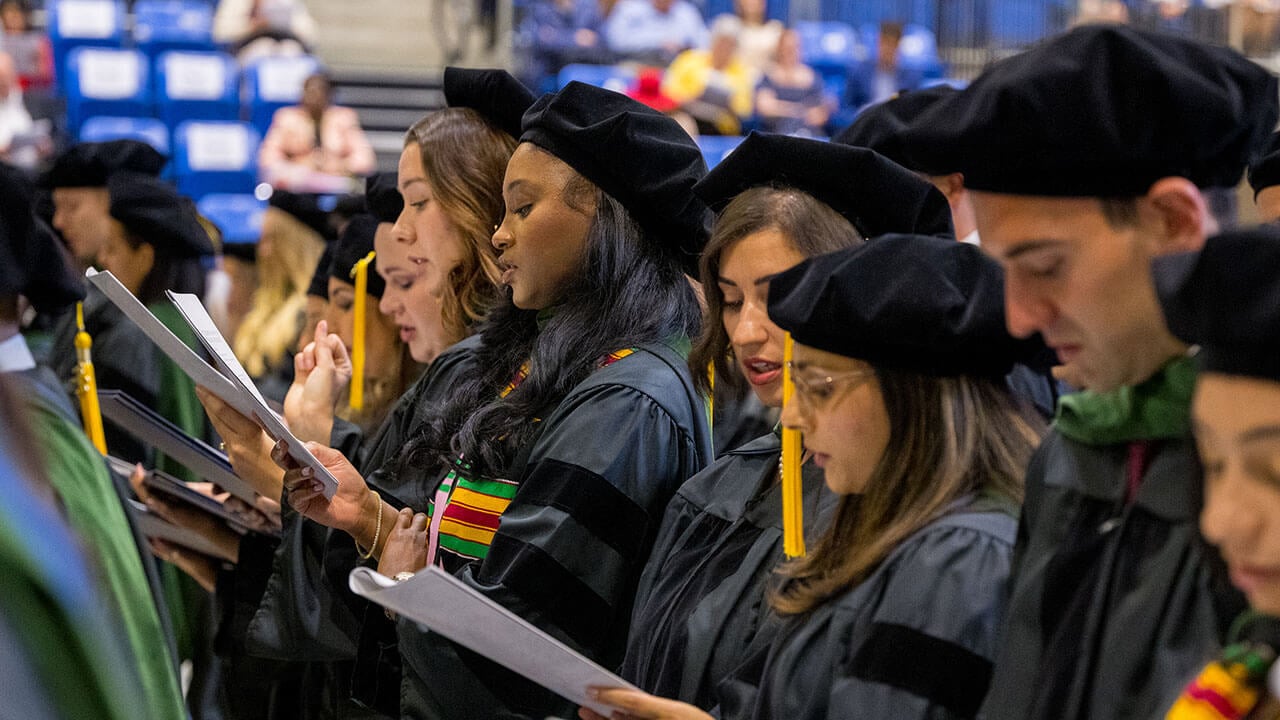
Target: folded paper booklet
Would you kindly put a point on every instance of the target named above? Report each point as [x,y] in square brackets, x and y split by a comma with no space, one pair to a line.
[233,387]
[154,526]
[445,605]
[156,431]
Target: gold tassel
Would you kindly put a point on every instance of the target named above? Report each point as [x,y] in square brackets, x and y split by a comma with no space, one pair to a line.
[87,387]
[792,451]
[711,397]
[361,274]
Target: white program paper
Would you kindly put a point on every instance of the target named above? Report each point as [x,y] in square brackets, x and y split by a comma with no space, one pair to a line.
[228,389]
[441,602]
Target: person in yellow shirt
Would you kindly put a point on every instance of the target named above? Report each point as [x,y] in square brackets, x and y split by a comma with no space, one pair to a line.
[713,85]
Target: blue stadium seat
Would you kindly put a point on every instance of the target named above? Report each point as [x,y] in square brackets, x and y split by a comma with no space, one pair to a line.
[238,216]
[196,86]
[215,157]
[830,45]
[160,25]
[105,81]
[275,82]
[83,23]
[148,130]
[918,49]
[613,77]
[717,147]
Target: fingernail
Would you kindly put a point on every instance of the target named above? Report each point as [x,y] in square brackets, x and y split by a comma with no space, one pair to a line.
[593,693]
[308,472]
[316,486]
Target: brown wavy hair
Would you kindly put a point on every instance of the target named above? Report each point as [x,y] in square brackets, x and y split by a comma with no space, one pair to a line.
[949,437]
[465,159]
[811,226]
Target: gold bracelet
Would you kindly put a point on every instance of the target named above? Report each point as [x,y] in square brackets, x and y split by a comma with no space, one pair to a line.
[377,531]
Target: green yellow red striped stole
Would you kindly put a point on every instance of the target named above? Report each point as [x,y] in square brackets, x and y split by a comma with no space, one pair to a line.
[472,508]
[1229,688]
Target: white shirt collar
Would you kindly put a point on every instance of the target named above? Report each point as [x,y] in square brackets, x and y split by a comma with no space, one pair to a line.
[15,356]
[971,238]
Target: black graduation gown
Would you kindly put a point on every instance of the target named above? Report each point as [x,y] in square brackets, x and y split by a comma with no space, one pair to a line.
[295,590]
[1114,608]
[569,549]
[739,420]
[915,640]
[701,604]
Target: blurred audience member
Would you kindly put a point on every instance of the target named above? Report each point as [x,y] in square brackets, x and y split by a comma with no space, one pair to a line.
[32,55]
[790,99]
[314,138]
[648,90]
[1102,11]
[713,85]
[654,30]
[758,38]
[286,258]
[886,76]
[260,28]
[564,32]
[20,144]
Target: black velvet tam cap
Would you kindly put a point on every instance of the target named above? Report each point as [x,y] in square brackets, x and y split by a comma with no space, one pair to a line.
[153,210]
[1265,170]
[33,262]
[319,286]
[495,94]
[1102,111]
[875,194]
[880,126]
[90,164]
[306,210]
[917,303]
[355,242]
[383,197]
[1226,299]
[640,157]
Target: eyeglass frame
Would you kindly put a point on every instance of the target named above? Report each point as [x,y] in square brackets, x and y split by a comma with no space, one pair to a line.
[804,391]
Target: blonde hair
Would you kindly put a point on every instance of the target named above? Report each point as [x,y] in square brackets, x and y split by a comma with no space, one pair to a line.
[465,158]
[949,437]
[382,388]
[269,332]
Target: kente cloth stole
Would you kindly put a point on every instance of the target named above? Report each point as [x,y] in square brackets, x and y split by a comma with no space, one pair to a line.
[1233,687]
[473,507]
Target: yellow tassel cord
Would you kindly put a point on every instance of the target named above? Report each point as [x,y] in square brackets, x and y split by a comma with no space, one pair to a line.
[361,273]
[711,398]
[792,450]
[87,387]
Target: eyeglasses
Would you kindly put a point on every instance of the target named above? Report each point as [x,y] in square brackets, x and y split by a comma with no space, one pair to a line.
[820,391]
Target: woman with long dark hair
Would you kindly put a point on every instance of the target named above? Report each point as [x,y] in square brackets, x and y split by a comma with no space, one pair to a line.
[899,370]
[701,605]
[549,466]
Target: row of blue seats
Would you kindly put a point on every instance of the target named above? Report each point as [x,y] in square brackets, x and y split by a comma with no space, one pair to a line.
[157,26]
[180,85]
[207,157]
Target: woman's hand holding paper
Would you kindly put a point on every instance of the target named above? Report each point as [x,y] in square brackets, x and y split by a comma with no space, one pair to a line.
[247,446]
